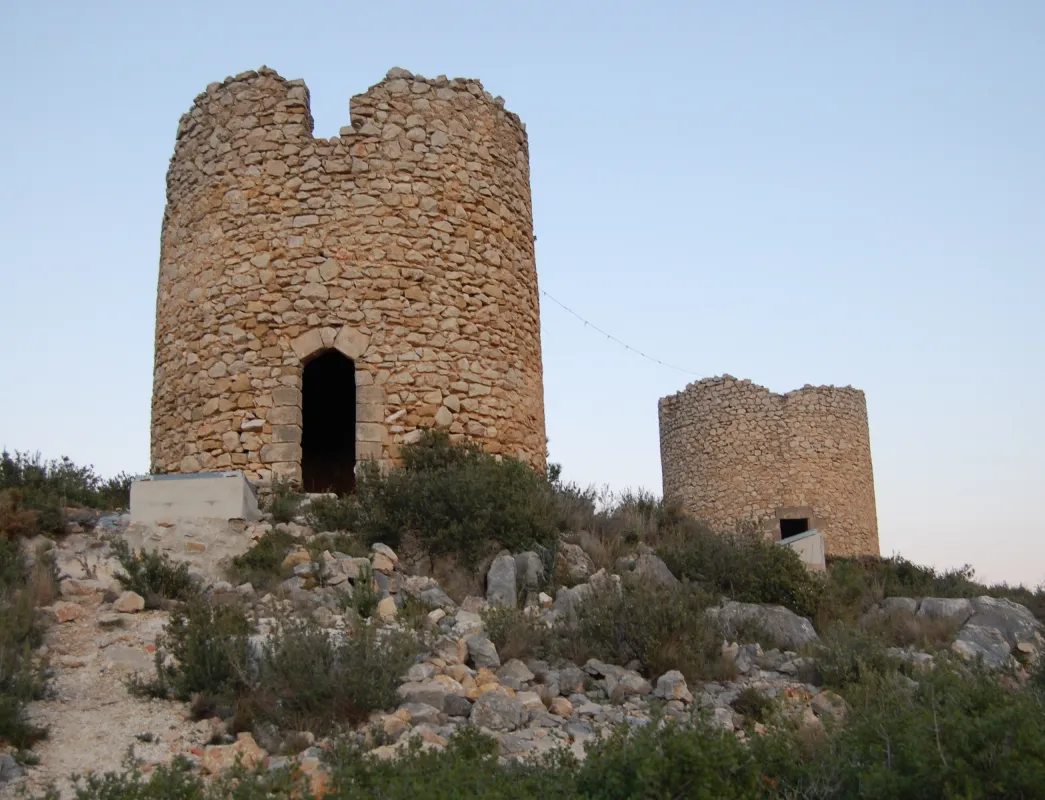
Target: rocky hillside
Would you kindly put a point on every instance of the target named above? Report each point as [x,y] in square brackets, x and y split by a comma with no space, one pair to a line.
[320,659]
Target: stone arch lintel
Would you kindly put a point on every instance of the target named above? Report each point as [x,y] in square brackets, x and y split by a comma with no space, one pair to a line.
[348,341]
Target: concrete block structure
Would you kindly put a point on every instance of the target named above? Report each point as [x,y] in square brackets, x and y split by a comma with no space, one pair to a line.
[320,301]
[217,495]
[734,452]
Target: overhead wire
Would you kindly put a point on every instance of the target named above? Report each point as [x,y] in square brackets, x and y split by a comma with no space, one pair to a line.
[613,338]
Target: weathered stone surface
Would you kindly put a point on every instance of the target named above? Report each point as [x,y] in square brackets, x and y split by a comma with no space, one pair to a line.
[648,567]
[65,612]
[517,670]
[482,652]
[776,623]
[954,609]
[529,570]
[1015,622]
[579,566]
[501,582]
[900,605]
[977,641]
[129,603]
[220,758]
[9,769]
[714,439]
[497,712]
[672,686]
[346,245]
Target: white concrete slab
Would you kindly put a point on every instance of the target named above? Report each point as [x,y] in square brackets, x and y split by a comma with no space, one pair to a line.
[205,495]
[810,549]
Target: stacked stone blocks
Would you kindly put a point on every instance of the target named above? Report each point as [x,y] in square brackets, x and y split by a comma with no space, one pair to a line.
[405,243]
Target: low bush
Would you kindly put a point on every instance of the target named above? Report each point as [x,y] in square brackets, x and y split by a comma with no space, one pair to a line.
[50,485]
[284,502]
[662,628]
[743,566]
[262,565]
[204,650]
[180,779]
[22,588]
[518,634]
[754,705]
[332,514]
[310,679]
[365,596]
[902,629]
[301,677]
[153,575]
[457,499]
[848,656]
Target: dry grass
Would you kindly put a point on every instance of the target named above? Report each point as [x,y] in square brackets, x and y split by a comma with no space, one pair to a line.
[903,629]
[455,579]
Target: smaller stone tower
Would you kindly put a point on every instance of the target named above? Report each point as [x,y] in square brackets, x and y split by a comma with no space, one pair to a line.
[732,451]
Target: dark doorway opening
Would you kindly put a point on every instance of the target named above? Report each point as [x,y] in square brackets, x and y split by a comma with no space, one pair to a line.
[793,527]
[328,424]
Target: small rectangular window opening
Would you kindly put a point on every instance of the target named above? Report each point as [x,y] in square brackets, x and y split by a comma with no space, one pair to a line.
[793,527]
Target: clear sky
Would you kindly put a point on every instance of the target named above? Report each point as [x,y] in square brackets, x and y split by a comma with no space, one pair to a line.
[804,192]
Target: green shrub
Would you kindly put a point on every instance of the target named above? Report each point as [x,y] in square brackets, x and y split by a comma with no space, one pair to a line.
[204,650]
[364,597]
[51,485]
[661,627]
[180,780]
[310,680]
[328,514]
[457,499]
[21,678]
[262,565]
[517,634]
[152,574]
[849,656]
[671,762]
[467,768]
[754,705]
[957,734]
[285,501]
[742,566]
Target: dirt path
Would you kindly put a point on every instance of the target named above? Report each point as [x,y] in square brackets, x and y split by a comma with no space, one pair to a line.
[93,720]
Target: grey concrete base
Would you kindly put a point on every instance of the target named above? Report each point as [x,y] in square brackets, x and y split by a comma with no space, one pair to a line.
[810,549]
[205,495]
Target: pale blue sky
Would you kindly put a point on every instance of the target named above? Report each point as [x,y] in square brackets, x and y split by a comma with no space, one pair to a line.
[805,192]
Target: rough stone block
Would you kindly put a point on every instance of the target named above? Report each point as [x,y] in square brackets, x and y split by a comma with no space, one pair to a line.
[286,396]
[370,432]
[272,453]
[284,434]
[284,415]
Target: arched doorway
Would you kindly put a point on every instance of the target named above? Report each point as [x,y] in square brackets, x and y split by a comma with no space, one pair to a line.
[328,424]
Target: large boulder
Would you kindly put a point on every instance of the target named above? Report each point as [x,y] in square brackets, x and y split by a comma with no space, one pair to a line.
[649,567]
[778,625]
[482,652]
[1014,621]
[577,563]
[501,582]
[953,609]
[529,570]
[497,711]
[996,629]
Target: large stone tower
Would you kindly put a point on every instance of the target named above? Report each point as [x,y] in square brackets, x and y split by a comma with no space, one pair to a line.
[321,301]
[733,451]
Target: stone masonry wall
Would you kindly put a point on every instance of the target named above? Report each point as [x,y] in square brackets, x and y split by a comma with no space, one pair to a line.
[406,243]
[732,451]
